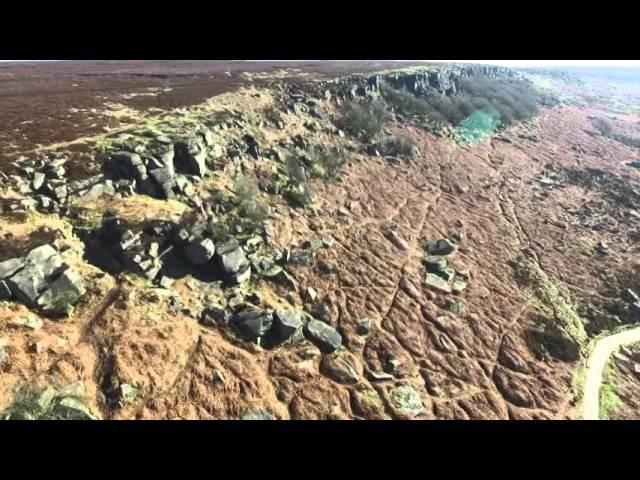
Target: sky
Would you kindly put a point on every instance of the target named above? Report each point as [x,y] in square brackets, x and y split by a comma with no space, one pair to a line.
[516,63]
[553,63]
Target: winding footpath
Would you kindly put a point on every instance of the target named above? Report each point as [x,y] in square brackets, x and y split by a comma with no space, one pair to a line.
[596,365]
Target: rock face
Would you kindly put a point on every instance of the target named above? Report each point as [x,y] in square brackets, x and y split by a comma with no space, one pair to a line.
[323,335]
[42,281]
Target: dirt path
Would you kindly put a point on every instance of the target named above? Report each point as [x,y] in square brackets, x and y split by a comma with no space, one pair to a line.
[595,368]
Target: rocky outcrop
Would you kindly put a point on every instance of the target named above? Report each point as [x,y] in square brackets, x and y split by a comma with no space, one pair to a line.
[42,281]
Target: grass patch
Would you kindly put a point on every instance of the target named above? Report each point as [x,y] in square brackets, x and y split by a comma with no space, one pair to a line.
[31,403]
[398,146]
[251,206]
[557,313]
[609,402]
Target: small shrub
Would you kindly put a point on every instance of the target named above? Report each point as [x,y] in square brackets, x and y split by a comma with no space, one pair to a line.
[273,115]
[557,313]
[249,201]
[365,121]
[610,401]
[298,194]
[603,126]
[398,146]
[32,403]
[295,169]
[327,162]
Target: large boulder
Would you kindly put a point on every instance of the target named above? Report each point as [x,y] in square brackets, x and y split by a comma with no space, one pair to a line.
[285,324]
[127,165]
[41,264]
[199,252]
[190,158]
[323,335]
[9,267]
[233,261]
[62,293]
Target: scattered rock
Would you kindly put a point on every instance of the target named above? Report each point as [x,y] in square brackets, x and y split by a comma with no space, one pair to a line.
[213,314]
[397,240]
[285,324]
[324,336]
[440,247]
[364,326]
[340,368]
[435,263]
[30,321]
[232,258]
[327,241]
[434,281]
[252,324]
[310,294]
[458,286]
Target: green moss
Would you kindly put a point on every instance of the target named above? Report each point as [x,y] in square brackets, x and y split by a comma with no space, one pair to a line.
[610,402]
[549,299]
[31,403]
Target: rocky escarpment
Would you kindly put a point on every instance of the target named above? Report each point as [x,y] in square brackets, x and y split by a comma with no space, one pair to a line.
[444,80]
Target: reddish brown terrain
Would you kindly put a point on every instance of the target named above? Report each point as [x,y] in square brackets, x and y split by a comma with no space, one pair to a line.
[547,190]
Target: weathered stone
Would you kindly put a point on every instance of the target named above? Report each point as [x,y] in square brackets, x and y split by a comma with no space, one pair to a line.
[310,294]
[285,324]
[213,314]
[252,324]
[28,284]
[11,266]
[458,286]
[340,368]
[38,180]
[30,321]
[241,277]
[434,281]
[259,415]
[190,159]
[397,240]
[231,257]
[127,165]
[327,241]
[446,273]
[440,247]
[364,326]
[162,175]
[406,399]
[65,291]
[315,244]
[435,263]
[199,252]
[323,335]
[166,282]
